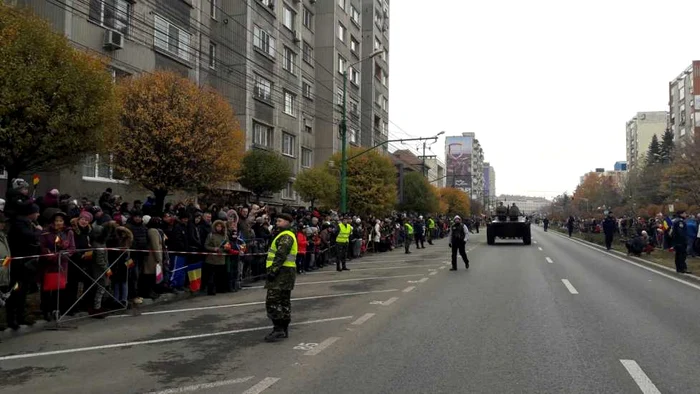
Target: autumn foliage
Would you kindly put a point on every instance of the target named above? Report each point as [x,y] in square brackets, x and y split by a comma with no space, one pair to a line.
[454,201]
[55,101]
[174,135]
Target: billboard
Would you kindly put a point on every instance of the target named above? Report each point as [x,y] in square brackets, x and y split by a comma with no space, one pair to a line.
[458,160]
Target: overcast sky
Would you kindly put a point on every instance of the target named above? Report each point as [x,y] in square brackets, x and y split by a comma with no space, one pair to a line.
[546,85]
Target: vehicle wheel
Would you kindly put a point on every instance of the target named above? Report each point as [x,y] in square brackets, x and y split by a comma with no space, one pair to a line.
[527,239]
[490,239]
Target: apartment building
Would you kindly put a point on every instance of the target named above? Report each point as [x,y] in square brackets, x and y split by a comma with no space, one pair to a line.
[684,99]
[489,185]
[465,164]
[279,63]
[375,72]
[639,132]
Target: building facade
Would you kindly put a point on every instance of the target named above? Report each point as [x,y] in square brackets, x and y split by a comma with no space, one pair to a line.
[464,159]
[620,166]
[279,63]
[489,186]
[684,104]
[639,132]
[435,170]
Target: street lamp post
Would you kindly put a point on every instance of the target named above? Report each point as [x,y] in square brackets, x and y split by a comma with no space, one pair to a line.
[424,142]
[344,137]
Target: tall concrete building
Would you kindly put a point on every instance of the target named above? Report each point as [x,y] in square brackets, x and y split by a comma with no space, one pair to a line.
[684,104]
[639,132]
[464,159]
[489,186]
[279,63]
[436,170]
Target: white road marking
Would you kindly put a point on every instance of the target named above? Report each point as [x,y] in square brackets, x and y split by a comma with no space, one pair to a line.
[305,346]
[569,286]
[321,346]
[204,308]
[534,242]
[261,386]
[345,280]
[432,270]
[433,273]
[409,289]
[203,386]
[385,303]
[362,319]
[642,380]
[378,268]
[423,280]
[638,264]
[539,248]
[443,267]
[160,340]
[549,260]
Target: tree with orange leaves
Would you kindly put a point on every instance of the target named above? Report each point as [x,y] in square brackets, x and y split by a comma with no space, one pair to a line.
[457,201]
[174,135]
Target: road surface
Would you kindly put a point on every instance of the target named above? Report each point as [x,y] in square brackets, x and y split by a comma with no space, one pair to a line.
[558,316]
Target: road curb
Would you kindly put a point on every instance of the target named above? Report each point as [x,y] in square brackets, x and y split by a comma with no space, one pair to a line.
[633,259]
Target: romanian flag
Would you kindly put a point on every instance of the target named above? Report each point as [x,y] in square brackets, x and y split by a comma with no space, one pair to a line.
[108,273]
[57,240]
[35,179]
[6,261]
[194,274]
[129,263]
[668,223]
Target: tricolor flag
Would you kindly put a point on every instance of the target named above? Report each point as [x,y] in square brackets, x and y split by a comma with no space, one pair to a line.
[108,273]
[129,263]
[6,261]
[194,274]
[15,287]
[57,240]
[35,179]
[668,223]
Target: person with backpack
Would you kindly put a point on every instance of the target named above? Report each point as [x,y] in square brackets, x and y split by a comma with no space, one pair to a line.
[458,240]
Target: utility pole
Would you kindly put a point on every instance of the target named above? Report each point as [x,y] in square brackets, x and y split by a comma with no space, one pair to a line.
[344,152]
[424,174]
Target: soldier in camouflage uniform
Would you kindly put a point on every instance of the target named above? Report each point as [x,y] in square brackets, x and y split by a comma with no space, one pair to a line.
[281,274]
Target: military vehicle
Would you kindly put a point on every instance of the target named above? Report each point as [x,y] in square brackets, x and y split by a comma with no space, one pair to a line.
[504,226]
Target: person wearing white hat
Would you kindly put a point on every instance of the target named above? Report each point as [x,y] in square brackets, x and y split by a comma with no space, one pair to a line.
[458,240]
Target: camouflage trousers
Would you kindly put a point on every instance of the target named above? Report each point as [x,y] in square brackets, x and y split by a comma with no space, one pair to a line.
[279,304]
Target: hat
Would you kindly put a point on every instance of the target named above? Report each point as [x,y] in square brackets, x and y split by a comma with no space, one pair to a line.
[183,214]
[457,217]
[86,215]
[286,217]
[222,215]
[146,219]
[96,209]
[32,209]
[136,212]
[19,183]
[420,217]
[358,220]
[54,192]
[61,214]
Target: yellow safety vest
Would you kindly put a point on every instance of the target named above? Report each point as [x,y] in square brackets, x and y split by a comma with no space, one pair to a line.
[409,229]
[431,224]
[343,233]
[291,260]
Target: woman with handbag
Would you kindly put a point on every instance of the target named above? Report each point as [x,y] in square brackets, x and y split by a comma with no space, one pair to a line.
[57,243]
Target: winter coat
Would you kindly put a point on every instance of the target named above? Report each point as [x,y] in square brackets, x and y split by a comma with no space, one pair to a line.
[301,243]
[609,226]
[214,244]
[4,252]
[194,240]
[156,245]
[23,238]
[56,242]
[118,237]
[204,230]
[140,233]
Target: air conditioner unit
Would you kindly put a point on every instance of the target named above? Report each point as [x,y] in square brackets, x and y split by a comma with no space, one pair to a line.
[113,40]
[297,36]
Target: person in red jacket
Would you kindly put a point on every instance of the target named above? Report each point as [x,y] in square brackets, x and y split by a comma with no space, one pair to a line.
[301,253]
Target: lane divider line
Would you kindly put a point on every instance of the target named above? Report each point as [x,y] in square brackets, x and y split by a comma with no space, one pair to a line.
[443,267]
[433,273]
[645,384]
[390,301]
[261,386]
[160,340]
[322,346]
[345,280]
[549,260]
[409,289]
[363,319]
[377,268]
[569,286]
[539,248]
[423,280]
[203,386]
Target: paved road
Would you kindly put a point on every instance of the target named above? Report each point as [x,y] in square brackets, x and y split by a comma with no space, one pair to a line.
[513,323]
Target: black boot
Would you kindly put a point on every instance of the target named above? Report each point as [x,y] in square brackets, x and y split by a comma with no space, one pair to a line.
[337,266]
[277,332]
[345,268]
[285,326]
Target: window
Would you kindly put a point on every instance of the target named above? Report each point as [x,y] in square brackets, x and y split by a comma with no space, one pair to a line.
[263,88]
[385,104]
[268,3]
[385,78]
[341,64]
[100,167]
[306,89]
[354,76]
[378,16]
[385,55]
[264,41]
[682,110]
[353,108]
[212,55]
[306,157]
[112,14]
[339,96]
[377,71]
[377,44]
[354,46]
[290,59]
[352,135]
[307,53]
[308,129]
[171,38]
[290,103]
[341,3]
[307,19]
[377,122]
[341,32]
[262,134]
[214,6]
[355,15]
[288,18]
[288,192]
[385,128]
[288,141]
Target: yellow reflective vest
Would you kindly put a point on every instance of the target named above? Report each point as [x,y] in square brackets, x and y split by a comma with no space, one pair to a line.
[431,224]
[409,229]
[291,260]
[343,233]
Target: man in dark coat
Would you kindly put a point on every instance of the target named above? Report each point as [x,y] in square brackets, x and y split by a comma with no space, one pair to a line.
[680,242]
[459,235]
[609,226]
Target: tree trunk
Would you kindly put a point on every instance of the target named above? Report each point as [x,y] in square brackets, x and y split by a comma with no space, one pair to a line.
[160,195]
